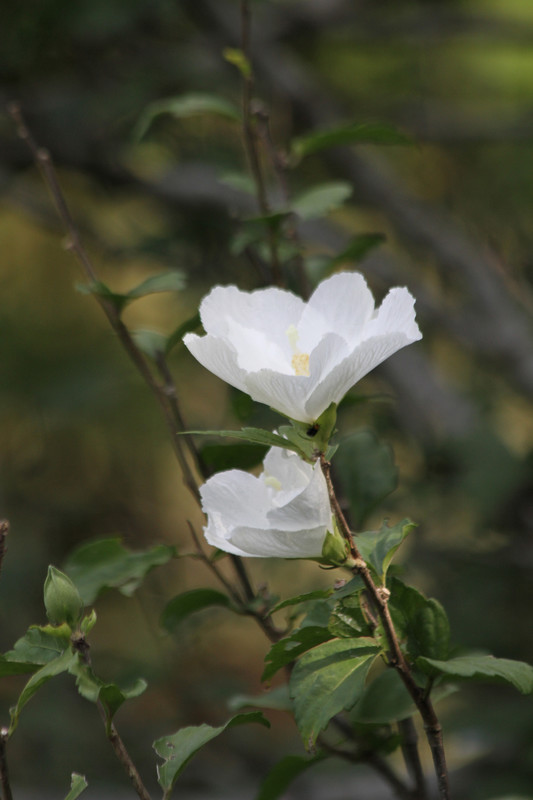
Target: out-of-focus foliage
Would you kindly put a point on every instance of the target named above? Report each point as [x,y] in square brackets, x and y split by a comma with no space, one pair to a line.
[83,453]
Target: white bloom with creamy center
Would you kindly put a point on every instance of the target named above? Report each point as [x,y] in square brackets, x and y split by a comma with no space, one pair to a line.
[300,357]
[283,513]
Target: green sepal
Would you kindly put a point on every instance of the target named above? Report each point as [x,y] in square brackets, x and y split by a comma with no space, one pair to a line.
[88,623]
[177,749]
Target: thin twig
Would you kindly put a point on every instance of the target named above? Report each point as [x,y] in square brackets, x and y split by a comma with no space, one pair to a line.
[4,772]
[397,659]
[4,530]
[377,763]
[411,756]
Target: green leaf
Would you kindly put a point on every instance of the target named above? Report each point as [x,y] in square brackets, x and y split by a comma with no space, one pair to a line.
[8,667]
[186,105]
[420,622]
[178,748]
[152,343]
[378,547]
[288,649]
[189,326]
[328,679]
[386,700]
[347,620]
[256,436]
[320,200]
[283,773]
[100,289]
[40,645]
[78,784]
[106,564]
[302,598]
[42,676]
[171,281]
[366,472]
[481,668]
[219,457]
[365,133]
[181,606]
[236,57]
[277,699]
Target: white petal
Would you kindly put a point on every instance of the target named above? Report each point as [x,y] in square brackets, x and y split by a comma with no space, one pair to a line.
[269,310]
[278,544]
[327,354]
[218,535]
[396,314]
[345,303]
[285,393]
[307,509]
[365,357]
[256,350]
[241,498]
[218,357]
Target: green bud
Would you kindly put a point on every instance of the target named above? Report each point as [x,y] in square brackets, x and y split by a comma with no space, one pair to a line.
[334,549]
[61,599]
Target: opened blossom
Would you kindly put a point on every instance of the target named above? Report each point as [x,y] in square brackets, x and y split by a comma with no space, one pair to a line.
[283,513]
[300,357]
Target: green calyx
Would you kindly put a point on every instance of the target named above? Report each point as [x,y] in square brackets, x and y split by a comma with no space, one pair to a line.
[61,599]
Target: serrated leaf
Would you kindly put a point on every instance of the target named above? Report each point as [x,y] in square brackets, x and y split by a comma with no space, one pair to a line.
[183,106]
[40,644]
[254,435]
[78,784]
[328,679]
[288,649]
[366,473]
[110,695]
[364,133]
[220,457]
[277,699]
[347,620]
[106,564]
[181,606]
[481,668]
[378,547]
[178,748]
[320,200]
[421,623]
[42,676]
[283,774]
[386,700]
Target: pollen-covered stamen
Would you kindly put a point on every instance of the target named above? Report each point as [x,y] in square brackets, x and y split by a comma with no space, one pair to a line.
[299,361]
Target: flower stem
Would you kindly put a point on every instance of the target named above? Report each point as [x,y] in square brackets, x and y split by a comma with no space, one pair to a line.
[397,660]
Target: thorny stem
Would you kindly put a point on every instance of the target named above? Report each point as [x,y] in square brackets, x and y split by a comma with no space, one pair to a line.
[81,646]
[397,659]
[251,141]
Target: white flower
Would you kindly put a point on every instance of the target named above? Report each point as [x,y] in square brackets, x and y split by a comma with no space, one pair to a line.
[300,357]
[283,513]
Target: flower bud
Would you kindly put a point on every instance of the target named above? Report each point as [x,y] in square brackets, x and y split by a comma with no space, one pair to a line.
[61,599]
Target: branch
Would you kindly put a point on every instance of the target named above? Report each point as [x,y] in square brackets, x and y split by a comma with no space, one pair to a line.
[4,773]
[4,530]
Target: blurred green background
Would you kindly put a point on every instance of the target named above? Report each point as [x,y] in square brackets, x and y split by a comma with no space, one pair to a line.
[83,450]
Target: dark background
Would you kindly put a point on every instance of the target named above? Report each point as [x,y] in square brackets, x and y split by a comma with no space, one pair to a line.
[83,452]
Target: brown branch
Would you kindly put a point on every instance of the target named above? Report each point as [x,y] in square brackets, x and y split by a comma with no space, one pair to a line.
[4,772]
[397,660]
[4,530]
[411,756]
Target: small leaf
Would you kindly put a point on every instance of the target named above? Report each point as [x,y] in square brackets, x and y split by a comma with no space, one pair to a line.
[111,696]
[236,57]
[39,645]
[78,784]
[106,564]
[186,105]
[171,281]
[320,200]
[302,598]
[386,700]
[152,343]
[420,622]
[328,679]
[288,649]
[366,471]
[42,676]
[189,326]
[100,289]
[359,246]
[481,668]
[347,620]
[219,457]
[378,547]
[181,606]
[283,773]
[254,435]
[365,133]
[277,699]
[178,748]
